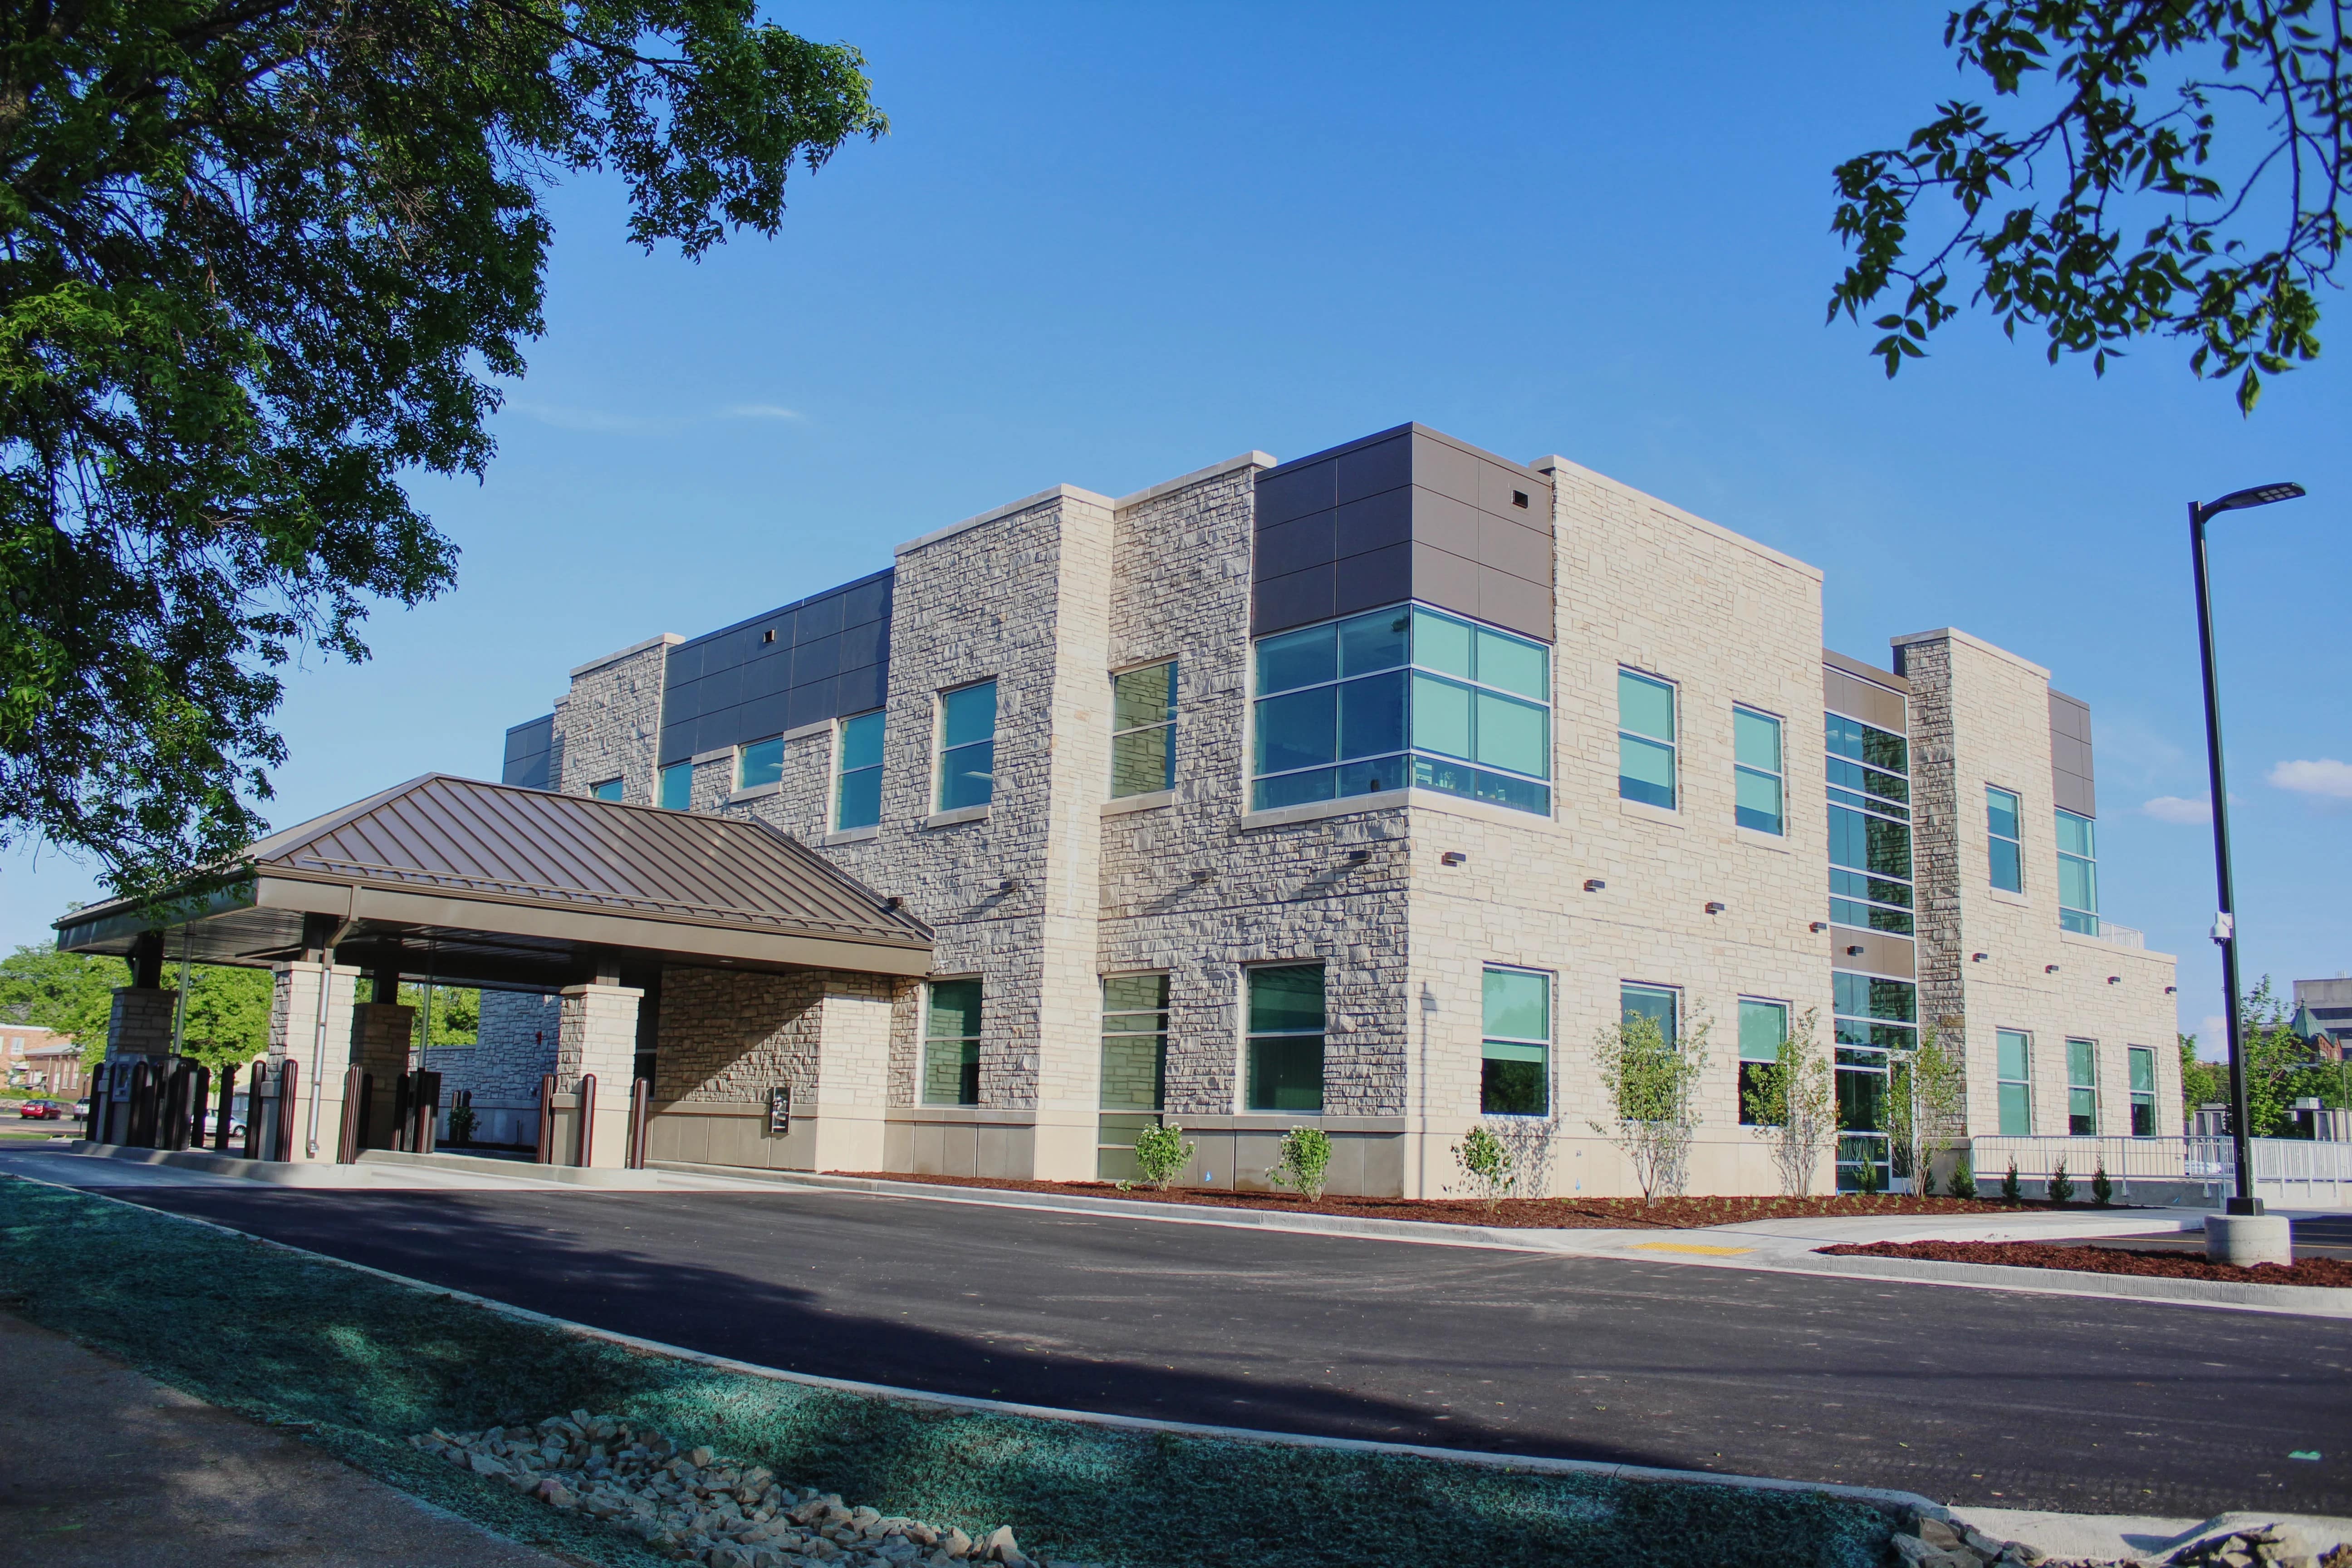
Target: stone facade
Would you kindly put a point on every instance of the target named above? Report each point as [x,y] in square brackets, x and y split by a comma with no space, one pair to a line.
[1404,898]
[514,1048]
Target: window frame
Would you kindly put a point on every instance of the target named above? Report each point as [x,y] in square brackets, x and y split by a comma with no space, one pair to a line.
[1670,744]
[1106,1034]
[944,751]
[743,750]
[2141,1099]
[968,1046]
[609,789]
[1514,1047]
[2083,917]
[840,775]
[2024,1084]
[681,770]
[1673,996]
[1740,1089]
[1251,1035]
[1995,840]
[1862,898]
[2077,1087]
[1169,725]
[1780,778]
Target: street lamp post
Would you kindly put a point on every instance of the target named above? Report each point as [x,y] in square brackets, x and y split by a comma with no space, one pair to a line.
[2225,924]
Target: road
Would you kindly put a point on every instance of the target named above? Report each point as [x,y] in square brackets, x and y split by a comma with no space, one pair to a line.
[1994,1398]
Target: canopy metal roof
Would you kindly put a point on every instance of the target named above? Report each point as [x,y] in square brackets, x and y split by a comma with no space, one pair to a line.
[479,883]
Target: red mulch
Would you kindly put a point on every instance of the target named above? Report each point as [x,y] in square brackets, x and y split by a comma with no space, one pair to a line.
[2322,1271]
[1518,1214]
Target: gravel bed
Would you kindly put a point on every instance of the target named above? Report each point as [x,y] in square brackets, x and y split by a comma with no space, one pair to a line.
[2320,1271]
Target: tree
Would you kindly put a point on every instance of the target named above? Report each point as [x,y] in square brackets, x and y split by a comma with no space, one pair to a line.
[225,1019]
[45,989]
[259,259]
[2275,1061]
[1927,1104]
[1795,1099]
[2201,1083]
[2123,205]
[1653,1082]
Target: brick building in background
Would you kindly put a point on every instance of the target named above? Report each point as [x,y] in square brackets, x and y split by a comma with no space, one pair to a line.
[1363,791]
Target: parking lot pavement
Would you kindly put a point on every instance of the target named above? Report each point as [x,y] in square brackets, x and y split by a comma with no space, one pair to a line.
[106,1468]
[2315,1236]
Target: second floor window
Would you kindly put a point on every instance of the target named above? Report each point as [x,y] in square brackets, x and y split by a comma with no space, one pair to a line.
[1756,770]
[760,762]
[609,790]
[677,786]
[2078,874]
[857,769]
[2002,830]
[968,746]
[1870,826]
[1646,740]
[1143,731]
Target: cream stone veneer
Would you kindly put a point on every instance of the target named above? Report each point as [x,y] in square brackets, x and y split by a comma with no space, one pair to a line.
[1053,886]
[1977,717]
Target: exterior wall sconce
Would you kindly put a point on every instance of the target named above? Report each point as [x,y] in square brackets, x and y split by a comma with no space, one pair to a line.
[1357,857]
[2169,990]
[1979,957]
[1203,875]
[1009,885]
[1452,857]
[2115,980]
[1854,951]
[1714,908]
[1819,926]
[1593,884]
[2048,969]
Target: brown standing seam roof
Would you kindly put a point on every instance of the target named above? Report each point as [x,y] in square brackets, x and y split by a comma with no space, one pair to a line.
[466,837]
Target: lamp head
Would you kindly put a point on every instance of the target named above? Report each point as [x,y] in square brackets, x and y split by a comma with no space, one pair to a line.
[2258,495]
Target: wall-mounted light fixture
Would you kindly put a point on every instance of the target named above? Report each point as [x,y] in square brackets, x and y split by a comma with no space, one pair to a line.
[1819,926]
[2048,969]
[1357,857]
[1203,875]
[2115,980]
[1714,908]
[1593,884]
[1854,951]
[2170,990]
[1979,957]
[1452,857]
[1008,885]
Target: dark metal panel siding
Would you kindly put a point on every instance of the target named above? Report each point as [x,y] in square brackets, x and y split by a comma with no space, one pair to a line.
[1865,699]
[2072,779]
[828,657]
[1405,513]
[528,748]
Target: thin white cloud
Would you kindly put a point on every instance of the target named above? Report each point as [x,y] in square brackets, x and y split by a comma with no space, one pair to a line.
[761,411]
[2324,777]
[2179,809]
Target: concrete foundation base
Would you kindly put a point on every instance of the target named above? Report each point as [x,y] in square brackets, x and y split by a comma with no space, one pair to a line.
[2246,1239]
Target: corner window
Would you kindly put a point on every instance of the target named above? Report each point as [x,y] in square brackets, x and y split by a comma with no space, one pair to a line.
[1284,1071]
[760,762]
[1134,1042]
[609,790]
[2081,1088]
[2012,1071]
[2078,874]
[2142,1061]
[1870,826]
[1757,782]
[1143,731]
[1515,1067]
[2002,830]
[1658,1003]
[968,746]
[677,786]
[1646,740]
[1401,698]
[951,1043]
[857,772]
[1763,1030]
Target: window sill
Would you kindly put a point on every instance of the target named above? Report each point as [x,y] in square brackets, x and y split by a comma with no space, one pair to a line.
[1151,802]
[960,813]
[2004,896]
[850,835]
[1776,842]
[1315,810]
[756,792]
[1452,805]
[1641,812]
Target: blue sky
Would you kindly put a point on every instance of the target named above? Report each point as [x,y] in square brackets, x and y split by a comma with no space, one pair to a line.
[1107,244]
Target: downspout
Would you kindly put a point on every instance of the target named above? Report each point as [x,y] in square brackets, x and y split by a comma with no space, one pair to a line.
[318,1040]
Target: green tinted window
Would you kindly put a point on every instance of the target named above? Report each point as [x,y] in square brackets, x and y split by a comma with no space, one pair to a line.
[1441,716]
[1645,707]
[1134,1042]
[1296,658]
[1755,739]
[2143,1069]
[1514,735]
[677,786]
[1441,643]
[1517,1004]
[1286,998]
[2074,835]
[760,762]
[951,1043]
[1656,1003]
[609,790]
[1284,1070]
[2011,1047]
[858,797]
[1513,664]
[1763,1027]
[1515,1069]
[968,746]
[1143,731]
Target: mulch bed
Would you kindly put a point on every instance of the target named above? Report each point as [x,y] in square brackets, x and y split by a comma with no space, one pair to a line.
[2322,1271]
[1511,1214]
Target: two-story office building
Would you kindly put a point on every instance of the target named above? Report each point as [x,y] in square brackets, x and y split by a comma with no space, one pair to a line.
[1364,790]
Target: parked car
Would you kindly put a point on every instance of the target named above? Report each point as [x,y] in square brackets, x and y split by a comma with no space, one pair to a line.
[82,1109]
[40,1111]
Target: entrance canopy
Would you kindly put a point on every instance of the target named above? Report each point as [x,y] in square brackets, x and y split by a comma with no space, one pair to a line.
[482,884]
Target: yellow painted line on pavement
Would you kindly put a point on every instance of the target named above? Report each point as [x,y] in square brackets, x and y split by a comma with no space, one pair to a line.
[1690,1246]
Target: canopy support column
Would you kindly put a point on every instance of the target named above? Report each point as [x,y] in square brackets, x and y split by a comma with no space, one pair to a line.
[598,1038]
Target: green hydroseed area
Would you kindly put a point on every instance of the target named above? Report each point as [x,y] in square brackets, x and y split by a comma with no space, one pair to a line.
[356,1364]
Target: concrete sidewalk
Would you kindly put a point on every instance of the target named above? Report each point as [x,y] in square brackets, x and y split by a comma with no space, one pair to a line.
[102,1467]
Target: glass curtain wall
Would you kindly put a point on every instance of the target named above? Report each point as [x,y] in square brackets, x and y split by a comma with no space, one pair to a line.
[1869,827]
[1875,1020]
[1134,1068]
[1398,699]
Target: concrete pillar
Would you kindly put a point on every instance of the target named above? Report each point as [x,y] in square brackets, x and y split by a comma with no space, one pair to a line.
[598,1034]
[319,1041]
[380,1032]
[138,1028]
[852,1077]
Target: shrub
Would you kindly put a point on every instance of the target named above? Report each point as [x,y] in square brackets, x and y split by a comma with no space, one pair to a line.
[1964,1180]
[1487,1165]
[2061,1189]
[2102,1189]
[1161,1153]
[1865,1179]
[461,1124]
[1305,1162]
[1653,1084]
[2010,1191]
[1793,1103]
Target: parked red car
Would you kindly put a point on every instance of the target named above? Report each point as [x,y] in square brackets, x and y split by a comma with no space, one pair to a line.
[40,1111]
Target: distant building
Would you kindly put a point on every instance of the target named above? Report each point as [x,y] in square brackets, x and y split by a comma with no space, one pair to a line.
[2330,1002]
[41,1059]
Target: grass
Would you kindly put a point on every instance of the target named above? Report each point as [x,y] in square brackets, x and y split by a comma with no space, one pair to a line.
[355,1364]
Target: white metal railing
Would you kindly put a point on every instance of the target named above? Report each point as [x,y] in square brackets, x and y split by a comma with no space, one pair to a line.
[2119,934]
[2294,1171]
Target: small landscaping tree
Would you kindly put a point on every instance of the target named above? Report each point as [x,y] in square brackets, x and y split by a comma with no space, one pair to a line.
[1161,1153]
[2102,1189]
[2061,1189]
[2011,1191]
[1305,1164]
[1964,1180]
[1794,1101]
[1653,1083]
[1926,1103]
[1486,1166]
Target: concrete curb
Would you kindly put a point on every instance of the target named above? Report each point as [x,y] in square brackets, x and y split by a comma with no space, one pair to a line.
[1882,1497]
[2297,1300]
[512,1169]
[328,1175]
